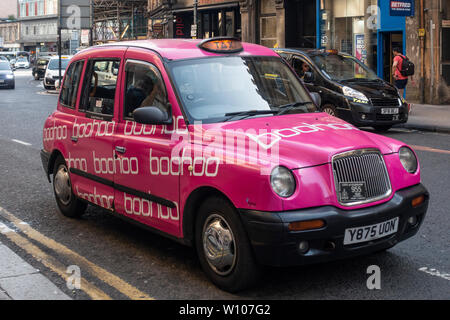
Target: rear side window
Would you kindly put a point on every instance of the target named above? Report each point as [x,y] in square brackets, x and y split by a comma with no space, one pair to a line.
[69,89]
[100,87]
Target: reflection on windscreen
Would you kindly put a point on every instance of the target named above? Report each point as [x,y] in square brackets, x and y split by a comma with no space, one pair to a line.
[212,87]
[339,67]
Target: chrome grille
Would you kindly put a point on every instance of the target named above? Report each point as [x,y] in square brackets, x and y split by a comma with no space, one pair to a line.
[362,166]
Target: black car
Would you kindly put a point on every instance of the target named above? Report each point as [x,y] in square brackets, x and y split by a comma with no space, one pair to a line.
[39,67]
[7,79]
[348,88]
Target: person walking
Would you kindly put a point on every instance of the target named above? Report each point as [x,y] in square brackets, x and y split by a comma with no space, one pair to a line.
[400,80]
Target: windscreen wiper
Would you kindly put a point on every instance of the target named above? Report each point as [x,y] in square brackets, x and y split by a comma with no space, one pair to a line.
[248,113]
[289,106]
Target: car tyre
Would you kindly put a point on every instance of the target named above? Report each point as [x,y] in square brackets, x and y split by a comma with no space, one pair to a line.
[47,87]
[69,205]
[223,248]
[382,128]
[330,109]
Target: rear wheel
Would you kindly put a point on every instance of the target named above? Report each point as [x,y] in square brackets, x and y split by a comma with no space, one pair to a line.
[382,128]
[68,204]
[223,247]
[330,109]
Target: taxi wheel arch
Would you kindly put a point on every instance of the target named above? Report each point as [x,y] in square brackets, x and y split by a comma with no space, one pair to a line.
[75,207]
[241,271]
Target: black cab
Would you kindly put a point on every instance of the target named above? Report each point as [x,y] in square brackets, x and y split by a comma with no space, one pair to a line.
[348,88]
[40,67]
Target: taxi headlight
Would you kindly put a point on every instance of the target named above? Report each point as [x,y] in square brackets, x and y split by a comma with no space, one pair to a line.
[408,159]
[282,181]
[352,93]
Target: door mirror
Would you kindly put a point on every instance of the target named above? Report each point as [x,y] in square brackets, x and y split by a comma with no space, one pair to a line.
[152,115]
[309,77]
[316,98]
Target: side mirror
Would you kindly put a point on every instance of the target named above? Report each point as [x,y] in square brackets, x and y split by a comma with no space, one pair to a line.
[151,115]
[309,77]
[316,98]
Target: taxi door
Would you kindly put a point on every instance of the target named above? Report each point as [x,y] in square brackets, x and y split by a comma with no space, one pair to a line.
[93,131]
[147,156]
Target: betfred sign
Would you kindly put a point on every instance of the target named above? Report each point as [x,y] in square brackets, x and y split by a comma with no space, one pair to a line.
[402,8]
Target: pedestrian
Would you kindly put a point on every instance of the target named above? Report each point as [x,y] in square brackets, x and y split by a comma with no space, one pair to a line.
[400,80]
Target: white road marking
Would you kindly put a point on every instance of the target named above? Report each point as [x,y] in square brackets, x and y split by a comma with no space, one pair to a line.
[436,273]
[21,142]
[4,229]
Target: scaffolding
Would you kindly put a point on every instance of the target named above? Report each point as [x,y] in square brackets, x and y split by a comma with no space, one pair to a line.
[117,20]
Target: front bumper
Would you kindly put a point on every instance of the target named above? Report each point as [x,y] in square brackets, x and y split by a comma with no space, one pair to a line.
[368,115]
[275,245]
[7,82]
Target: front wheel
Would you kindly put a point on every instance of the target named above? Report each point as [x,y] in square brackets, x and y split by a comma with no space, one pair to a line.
[223,247]
[330,109]
[68,204]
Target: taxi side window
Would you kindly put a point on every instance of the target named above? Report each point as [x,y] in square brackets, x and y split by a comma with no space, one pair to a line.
[301,67]
[69,89]
[144,87]
[100,87]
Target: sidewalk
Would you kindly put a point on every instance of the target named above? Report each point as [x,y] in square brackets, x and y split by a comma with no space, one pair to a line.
[429,118]
[20,281]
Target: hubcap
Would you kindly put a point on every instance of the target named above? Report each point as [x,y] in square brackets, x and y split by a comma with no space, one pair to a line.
[63,188]
[219,245]
[329,111]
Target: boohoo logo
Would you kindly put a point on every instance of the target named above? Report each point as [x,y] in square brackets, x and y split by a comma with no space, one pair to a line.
[268,139]
[55,132]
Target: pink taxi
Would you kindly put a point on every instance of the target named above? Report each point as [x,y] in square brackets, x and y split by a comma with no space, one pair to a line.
[218,145]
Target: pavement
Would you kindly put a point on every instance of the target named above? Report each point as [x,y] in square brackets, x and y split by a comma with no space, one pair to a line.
[20,281]
[425,117]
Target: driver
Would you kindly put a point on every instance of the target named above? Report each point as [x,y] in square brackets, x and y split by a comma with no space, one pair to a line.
[305,68]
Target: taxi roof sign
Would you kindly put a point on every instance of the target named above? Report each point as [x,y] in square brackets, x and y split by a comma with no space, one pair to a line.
[221,45]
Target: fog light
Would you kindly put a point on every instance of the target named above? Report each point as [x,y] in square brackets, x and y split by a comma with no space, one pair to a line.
[303,246]
[412,220]
[363,116]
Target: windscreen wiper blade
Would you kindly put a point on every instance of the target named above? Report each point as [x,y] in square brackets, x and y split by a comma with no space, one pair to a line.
[289,106]
[248,113]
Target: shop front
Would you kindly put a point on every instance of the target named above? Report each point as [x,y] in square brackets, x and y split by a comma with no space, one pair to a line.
[367,29]
[215,18]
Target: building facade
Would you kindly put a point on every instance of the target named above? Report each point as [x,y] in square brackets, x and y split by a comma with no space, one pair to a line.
[9,36]
[39,27]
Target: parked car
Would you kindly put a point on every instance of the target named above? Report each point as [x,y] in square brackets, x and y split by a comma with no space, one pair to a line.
[3,58]
[52,71]
[7,78]
[348,88]
[218,145]
[22,62]
[40,67]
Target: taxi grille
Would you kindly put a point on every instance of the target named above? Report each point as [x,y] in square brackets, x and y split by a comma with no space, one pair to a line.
[382,102]
[364,167]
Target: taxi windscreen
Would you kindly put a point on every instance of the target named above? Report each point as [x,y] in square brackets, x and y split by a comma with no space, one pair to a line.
[54,64]
[213,88]
[341,67]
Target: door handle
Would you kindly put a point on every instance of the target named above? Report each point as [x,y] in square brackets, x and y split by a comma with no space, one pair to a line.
[74,138]
[121,149]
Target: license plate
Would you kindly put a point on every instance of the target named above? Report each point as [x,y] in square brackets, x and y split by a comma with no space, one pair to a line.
[389,110]
[352,191]
[372,232]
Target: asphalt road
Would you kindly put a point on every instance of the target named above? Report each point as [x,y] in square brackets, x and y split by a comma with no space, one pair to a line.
[125,261]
